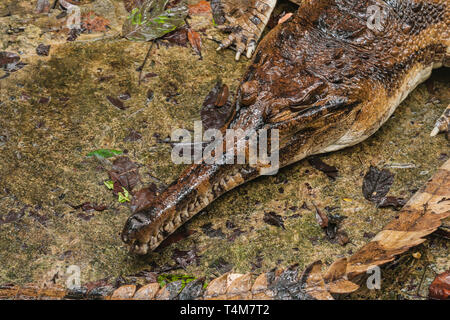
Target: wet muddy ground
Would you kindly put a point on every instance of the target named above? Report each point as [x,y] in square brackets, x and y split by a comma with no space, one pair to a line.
[54,111]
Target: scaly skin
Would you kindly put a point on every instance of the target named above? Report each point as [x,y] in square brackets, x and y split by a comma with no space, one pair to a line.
[326,81]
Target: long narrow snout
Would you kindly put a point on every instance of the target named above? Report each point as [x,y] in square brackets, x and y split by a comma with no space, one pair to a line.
[197,187]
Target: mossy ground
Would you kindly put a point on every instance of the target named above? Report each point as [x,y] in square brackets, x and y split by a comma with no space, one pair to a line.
[44,170]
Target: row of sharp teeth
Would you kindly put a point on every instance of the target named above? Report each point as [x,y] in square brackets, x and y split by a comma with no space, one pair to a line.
[190,210]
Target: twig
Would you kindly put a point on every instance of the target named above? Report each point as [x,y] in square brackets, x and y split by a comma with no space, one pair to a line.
[141,68]
[421,280]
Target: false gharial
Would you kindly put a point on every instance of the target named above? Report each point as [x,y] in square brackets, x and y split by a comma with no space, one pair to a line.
[327,79]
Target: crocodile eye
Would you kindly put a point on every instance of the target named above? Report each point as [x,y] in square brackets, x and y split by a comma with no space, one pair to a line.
[249,92]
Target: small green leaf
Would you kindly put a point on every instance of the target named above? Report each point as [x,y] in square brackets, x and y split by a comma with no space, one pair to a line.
[104,153]
[124,197]
[109,184]
[168,278]
[151,21]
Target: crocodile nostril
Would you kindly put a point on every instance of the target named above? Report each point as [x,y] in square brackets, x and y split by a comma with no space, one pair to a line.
[133,225]
[249,91]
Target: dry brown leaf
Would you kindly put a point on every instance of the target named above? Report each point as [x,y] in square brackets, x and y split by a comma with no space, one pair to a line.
[195,40]
[440,288]
[202,7]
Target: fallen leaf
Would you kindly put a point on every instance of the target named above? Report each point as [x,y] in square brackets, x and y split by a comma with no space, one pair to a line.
[73,34]
[125,173]
[395,202]
[376,184]
[273,219]
[104,153]
[208,229]
[440,287]
[116,102]
[143,198]
[185,258]
[322,218]
[43,50]
[177,37]
[318,164]
[217,110]
[202,7]
[10,61]
[91,22]
[195,40]
[88,207]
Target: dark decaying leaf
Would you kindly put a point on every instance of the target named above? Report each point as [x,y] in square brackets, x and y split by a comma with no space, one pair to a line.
[143,198]
[185,258]
[273,219]
[331,225]
[217,109]
[43,50]
[88,207]
[208,229]
[440,287]
[125,173]
[7,58]
[321,217]
[178,37]
[376,184]
[10,61]
[395,202]
[318,164]
[116,102]
[153,20]
[73,34]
